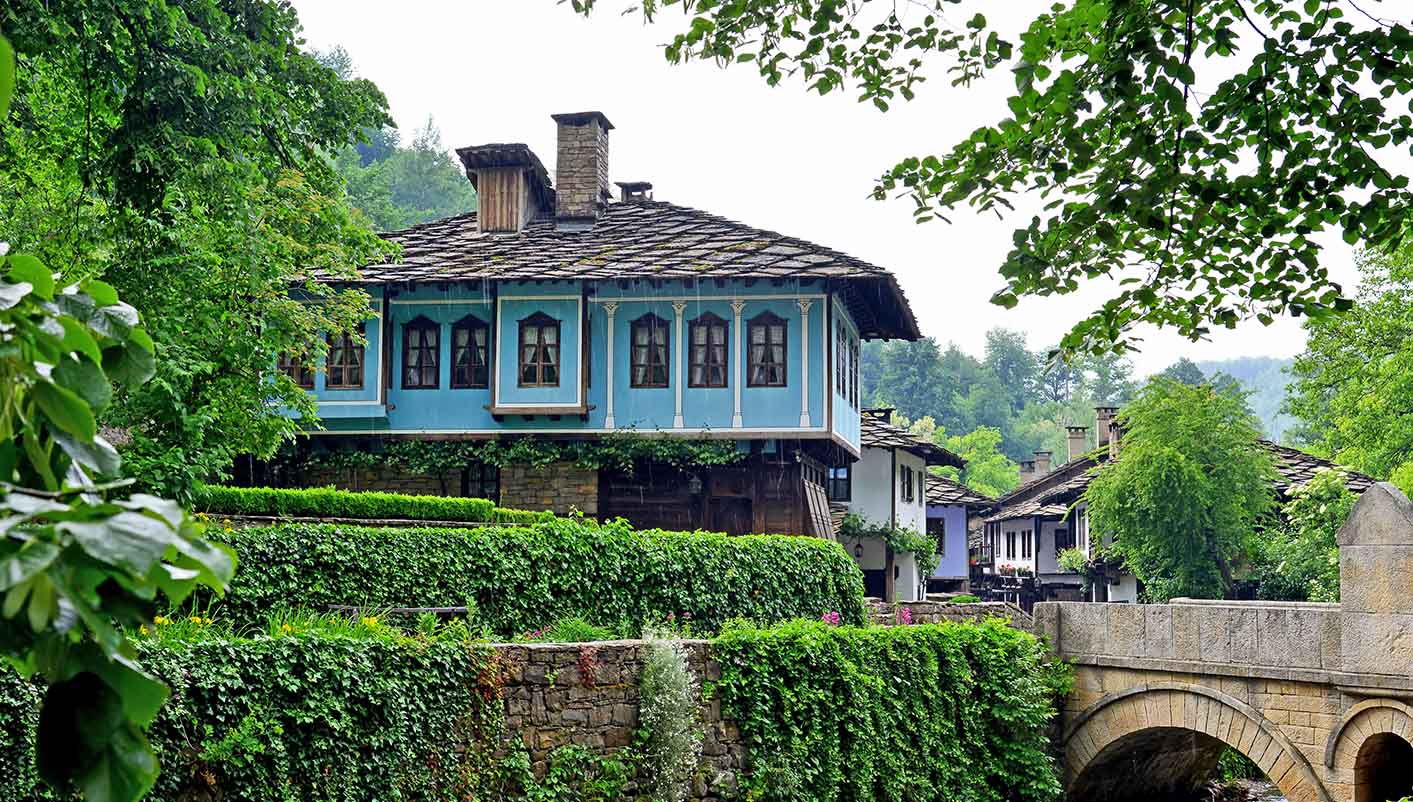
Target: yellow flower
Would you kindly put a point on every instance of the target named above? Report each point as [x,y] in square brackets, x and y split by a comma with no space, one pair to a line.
[159,620]
[142,629]
[206,621]
[286,628]
[370,621]
[195,619]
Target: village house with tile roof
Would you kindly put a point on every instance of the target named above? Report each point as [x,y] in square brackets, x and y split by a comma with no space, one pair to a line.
[561,310]
[1030,525]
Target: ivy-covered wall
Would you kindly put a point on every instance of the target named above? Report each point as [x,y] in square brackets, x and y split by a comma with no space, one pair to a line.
[806,711]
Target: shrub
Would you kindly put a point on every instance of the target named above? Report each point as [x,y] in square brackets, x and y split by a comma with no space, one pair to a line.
[668,713]
[326,502]
[964,598]
[894,714]
[300,717]
[525,578]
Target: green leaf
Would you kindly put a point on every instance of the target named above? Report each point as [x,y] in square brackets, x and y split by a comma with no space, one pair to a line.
[87,380]
[101,291]
[78,339]
[66,410]
[129,540]
[28,269]
[26,563]
[97,455]
[7,77]
[12,294]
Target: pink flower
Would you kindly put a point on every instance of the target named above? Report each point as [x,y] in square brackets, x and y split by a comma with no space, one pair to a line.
[905,615]
[831,618]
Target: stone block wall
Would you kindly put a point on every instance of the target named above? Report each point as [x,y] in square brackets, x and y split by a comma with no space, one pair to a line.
[587,694]
[934,612]
[560,487]
[386,480]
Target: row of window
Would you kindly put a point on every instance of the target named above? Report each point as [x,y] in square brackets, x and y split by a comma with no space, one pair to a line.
[912,483]
[650,356]
[1064,539]
[846,364]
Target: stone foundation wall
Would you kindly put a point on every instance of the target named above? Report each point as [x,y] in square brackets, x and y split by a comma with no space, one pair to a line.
[587,694]
[933,612]
[560,487]
[386,480]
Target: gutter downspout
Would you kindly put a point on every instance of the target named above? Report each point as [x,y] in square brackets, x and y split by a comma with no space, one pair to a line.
[889,589]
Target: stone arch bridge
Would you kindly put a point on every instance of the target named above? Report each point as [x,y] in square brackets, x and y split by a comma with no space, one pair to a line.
[1320,696]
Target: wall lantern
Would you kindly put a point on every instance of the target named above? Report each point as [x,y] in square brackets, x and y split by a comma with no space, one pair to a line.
[694,485]
[858,551]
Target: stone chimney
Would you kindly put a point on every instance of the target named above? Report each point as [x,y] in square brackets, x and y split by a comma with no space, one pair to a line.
[512,186]
[634,191]
[581,167]
[1042,463]
[1103,418]
[1078,441]
[1027,471]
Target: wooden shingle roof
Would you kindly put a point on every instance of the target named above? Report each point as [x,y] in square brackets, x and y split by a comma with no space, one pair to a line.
[644,240]
[877,432]
[941,490]
[1063,486]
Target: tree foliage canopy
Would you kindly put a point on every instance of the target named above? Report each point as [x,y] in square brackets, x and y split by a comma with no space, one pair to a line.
[1189,487]
[1354,380]
[1190,151]
[178,150]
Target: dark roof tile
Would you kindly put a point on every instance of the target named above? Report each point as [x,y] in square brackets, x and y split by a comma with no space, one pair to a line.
[644,240]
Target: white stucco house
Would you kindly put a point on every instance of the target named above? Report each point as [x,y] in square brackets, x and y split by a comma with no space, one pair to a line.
[887,486]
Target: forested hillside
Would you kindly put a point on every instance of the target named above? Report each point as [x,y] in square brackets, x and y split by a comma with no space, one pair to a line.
[1264,379]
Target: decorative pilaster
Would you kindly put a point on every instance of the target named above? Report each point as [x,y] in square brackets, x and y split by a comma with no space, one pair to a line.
[678,308]
[804,304]
[609,309]
[737,307]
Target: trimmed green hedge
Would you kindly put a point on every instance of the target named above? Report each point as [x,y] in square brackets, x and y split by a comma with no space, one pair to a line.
[898,714]
[303,717]
[327,502]
[524,578]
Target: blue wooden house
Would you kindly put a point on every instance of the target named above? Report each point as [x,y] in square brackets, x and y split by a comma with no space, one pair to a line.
[560,311]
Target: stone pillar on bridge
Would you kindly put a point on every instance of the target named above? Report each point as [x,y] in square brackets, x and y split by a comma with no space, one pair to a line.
[1376,583]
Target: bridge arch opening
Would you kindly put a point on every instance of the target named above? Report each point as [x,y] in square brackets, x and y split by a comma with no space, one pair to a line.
[1158,764]
[1383,769]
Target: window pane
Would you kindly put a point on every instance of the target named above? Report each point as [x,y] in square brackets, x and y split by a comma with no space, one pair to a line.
[757,334]
[549,334]
[551,354]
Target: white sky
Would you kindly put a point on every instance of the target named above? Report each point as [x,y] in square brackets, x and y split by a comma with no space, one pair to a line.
[723,141]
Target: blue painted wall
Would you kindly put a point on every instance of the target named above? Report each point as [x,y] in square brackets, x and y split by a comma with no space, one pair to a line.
[953,564]
[846,421]
[444,410]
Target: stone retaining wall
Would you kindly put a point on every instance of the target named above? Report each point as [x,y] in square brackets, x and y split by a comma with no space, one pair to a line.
[385,480]
[560,487]
[933,612]
[587,694]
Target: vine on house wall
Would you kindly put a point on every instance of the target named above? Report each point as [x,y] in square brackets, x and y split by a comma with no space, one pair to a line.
[901,541]
[616,452]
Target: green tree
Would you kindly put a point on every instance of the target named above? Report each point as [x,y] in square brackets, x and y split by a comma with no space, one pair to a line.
[1299,560]
[408,185]
[1104,379]
[1190,150]
[988,471]
[1184,371]
[1354,379]
[910,378]
[1189,487]
[185,144]
[1013,363]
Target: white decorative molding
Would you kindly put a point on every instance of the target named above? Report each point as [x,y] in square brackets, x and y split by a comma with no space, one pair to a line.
[737,308]
[679,308]
[609,309]
[804,304]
